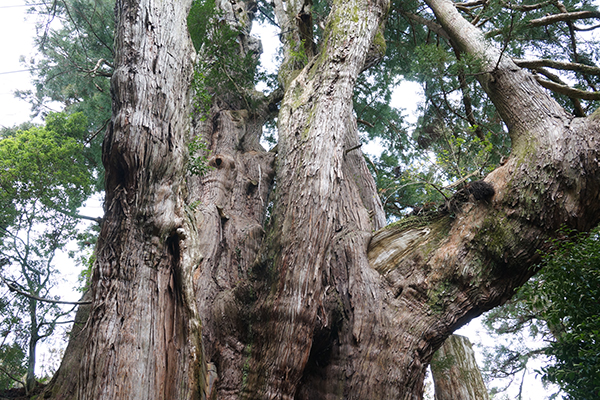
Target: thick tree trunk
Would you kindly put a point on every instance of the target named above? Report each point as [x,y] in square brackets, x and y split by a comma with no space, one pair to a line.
[143,334]
[455,371]
[311,304]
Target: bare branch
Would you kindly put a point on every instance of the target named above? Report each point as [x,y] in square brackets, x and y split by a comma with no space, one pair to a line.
[462,180]
[96,72]
[527,7]
[586,29]
[14,288]
[470,4]
[367,123]
[432,25]
[571,16]
[555,78]
[79,216]
[4,371]
[562,65]
[568,91]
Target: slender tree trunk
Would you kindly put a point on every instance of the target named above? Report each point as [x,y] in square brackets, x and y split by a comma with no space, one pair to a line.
[315,301]
[30,380]
[455,371]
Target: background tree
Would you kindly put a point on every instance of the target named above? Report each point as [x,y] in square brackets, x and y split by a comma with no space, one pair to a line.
[558,308]
[73,65]
[309,302]
[44,179]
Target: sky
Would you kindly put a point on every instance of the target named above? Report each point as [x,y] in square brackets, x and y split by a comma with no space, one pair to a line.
[17,30]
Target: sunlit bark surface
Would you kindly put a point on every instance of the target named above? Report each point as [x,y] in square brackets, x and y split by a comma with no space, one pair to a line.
[201,289]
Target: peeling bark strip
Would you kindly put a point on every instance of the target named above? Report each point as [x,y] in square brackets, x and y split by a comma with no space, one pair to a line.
[312,304]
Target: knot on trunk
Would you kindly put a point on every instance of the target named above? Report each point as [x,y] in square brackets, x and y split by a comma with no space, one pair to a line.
[479,190]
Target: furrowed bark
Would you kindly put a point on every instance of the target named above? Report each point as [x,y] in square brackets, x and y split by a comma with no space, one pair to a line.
[229,206]
[231,202]
[446,271]
[143,334]
[324,195]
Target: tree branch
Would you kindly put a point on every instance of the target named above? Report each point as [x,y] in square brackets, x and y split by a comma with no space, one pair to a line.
[561,65]
[568,91]
[432,25]
[470,4]
[556,79]
[79,216]
[3,370]
[586,29]
[527,7]
[14,288]
[562,17]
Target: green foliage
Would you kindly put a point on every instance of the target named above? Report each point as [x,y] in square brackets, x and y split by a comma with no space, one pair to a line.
[558,307]
[44,179]
[76,58]
[458,132]
[73,66]
[298,55]
[44,166]
[225,69]
[85,255]
[571,284]
[198,157]
[12,364]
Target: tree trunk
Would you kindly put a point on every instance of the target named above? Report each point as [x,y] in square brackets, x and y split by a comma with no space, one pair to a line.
[30,381]
[144,332]
[197,294]
[455,371]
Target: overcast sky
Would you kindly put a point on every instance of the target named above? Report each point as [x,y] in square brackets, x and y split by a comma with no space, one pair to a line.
[16,32]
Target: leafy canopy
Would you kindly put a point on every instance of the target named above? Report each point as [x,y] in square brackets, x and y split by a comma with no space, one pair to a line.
[558,308]
[44,178]
[570,282]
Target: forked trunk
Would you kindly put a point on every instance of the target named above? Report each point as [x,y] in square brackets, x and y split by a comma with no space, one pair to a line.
[200,290]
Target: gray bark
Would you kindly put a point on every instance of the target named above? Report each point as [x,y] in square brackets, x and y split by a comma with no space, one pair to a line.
[143,334]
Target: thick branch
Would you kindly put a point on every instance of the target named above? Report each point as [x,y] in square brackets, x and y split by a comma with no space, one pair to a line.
[578,109]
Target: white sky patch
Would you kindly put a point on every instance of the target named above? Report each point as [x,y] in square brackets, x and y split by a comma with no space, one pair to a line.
[17,30]
[271,45]
[408,96]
